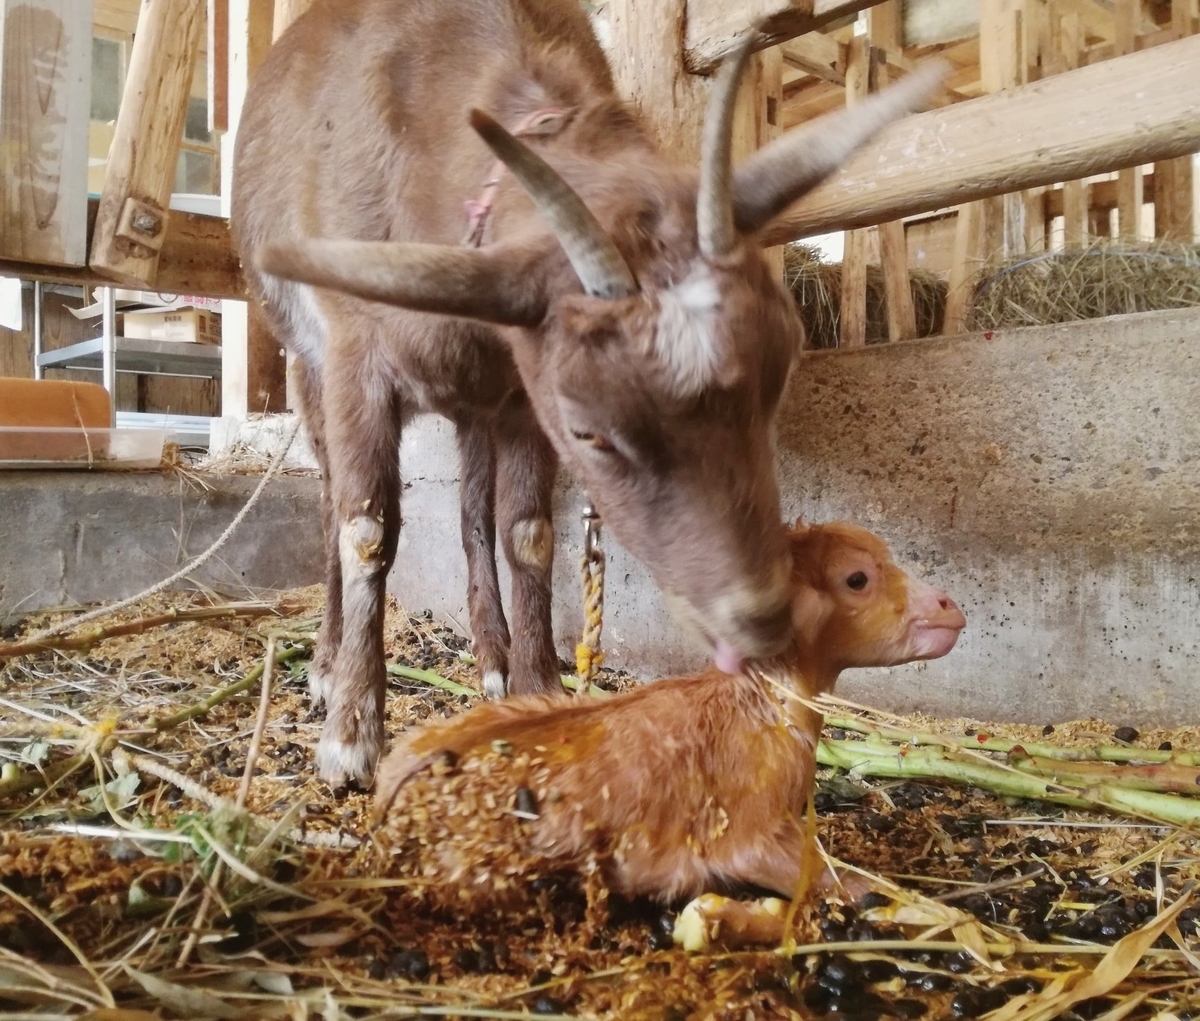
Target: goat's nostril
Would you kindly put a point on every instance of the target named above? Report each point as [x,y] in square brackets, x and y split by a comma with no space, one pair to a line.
[944,602]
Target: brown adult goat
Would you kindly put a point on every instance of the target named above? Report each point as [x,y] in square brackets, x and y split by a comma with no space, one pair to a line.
[609,309]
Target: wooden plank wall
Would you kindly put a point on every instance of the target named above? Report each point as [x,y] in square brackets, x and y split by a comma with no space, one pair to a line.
[45,103]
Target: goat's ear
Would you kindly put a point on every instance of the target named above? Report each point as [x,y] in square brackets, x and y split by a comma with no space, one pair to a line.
[501,284]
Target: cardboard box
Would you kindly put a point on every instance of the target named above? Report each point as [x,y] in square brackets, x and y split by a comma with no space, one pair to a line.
[194,325]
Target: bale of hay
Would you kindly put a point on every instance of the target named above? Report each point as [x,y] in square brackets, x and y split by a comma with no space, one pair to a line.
[1104,279]
[817,288]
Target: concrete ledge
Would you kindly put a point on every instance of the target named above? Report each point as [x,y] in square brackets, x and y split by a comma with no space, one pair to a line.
[78,537]
[1048,478]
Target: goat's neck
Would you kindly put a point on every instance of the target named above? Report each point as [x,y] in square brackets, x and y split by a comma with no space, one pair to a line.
[794,680]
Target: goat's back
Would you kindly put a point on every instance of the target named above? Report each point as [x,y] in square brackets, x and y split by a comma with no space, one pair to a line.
[356,123]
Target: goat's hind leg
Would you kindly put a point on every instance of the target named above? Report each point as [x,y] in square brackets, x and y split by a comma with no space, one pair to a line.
[362,427]
[329,638]
[477,509]
[526,466]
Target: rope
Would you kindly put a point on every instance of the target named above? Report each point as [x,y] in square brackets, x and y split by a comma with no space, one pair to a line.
[188,568]
[591,565]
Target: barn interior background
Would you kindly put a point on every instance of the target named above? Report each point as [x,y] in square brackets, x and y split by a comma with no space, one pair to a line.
[1001,295]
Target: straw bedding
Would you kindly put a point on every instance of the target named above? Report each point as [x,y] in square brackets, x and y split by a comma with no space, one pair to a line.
[985,902]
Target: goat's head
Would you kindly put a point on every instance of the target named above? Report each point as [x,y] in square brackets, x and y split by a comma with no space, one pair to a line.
[655,357]
[854,606]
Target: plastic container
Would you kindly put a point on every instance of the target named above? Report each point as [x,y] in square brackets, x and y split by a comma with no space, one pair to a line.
[72,447]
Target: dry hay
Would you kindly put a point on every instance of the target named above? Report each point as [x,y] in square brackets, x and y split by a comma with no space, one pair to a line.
[301,928]
[817,288]
[1105,279]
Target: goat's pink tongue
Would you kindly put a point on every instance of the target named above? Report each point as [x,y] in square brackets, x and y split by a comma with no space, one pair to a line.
[727,658]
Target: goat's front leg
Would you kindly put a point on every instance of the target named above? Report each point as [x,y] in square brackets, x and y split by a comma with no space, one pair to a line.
[477,510]
[362,425]
[526,465]
[329,638]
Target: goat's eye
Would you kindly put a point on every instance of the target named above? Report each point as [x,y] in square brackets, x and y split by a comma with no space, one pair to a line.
[857,581]
[594,440]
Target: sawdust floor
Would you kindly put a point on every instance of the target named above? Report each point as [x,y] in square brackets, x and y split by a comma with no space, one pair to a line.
[100,916]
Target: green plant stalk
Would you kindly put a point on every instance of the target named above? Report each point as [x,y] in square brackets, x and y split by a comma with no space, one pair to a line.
[431,678]
[871,759]
[1105,753]
[160,724]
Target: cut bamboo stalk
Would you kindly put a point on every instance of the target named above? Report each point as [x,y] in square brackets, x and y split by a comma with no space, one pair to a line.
[132,219]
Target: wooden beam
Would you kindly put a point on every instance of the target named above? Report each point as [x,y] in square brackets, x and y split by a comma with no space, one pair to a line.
[1137,108]
[819,55]
[712,26]
[1104,195]
[45,97]
[131,223]
[1130,183]
[197,257]
[852,321]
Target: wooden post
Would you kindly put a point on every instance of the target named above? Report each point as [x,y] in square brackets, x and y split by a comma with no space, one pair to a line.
[1175,180]
[648,64]
[45,94]
[1130,186]
[757,119]
[287,11]
[1069,44]
[132,220]
[853,306]
[253,369]
[995,227]
[884,29]
[218,65]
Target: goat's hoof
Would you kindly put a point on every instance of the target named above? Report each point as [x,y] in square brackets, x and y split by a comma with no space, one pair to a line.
[339,762]
[320,684]
[495,685]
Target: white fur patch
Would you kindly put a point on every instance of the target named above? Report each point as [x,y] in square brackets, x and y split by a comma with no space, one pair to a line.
[685,339]
[494,684]
[320,685]
[340,761]
[307,327]
[533,543]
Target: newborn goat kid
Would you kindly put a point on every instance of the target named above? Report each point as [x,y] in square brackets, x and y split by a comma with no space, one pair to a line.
[675,788]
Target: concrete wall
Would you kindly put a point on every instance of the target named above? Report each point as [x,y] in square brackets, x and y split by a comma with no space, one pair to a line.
[76,537]
[1048,478]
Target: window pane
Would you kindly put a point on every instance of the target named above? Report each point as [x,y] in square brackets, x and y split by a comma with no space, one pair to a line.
[196,173]
[195,129]
[106,78]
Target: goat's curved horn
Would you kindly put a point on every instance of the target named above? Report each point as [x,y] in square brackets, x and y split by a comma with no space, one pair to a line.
[714,201]
[778,174]
[498,284]
[595,258]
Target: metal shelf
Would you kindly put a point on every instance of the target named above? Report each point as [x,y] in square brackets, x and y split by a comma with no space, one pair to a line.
[145,357]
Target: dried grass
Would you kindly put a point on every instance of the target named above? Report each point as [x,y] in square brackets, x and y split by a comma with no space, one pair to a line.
[817,288]
[1105,279]
[99,888]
